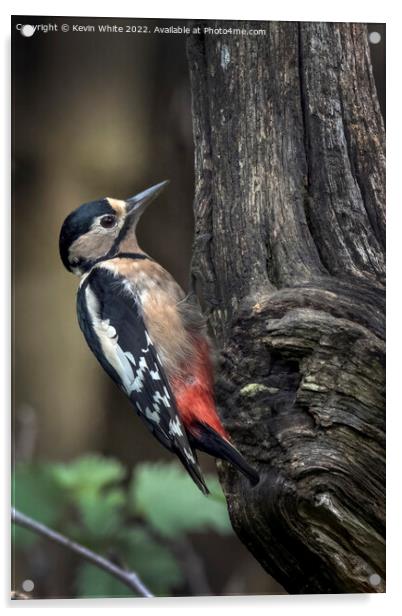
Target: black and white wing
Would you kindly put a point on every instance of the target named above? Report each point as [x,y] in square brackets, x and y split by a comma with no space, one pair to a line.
[111,321]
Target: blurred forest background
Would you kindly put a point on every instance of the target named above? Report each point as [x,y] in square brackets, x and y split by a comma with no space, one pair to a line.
[99,115]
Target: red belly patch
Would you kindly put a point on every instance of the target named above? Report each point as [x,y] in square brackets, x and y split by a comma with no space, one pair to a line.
[195,397]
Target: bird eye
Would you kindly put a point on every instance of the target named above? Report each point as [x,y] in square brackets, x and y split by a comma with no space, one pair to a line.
[108,221]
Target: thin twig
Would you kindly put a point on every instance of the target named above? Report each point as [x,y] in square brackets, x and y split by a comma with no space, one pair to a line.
[129,578]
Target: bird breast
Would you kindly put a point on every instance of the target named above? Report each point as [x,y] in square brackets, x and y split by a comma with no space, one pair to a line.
[172,322]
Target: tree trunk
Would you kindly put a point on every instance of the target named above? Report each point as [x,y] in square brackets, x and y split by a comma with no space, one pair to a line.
[289,267]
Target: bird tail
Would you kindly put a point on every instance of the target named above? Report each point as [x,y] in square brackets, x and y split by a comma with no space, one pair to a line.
[206,439]
[194,471]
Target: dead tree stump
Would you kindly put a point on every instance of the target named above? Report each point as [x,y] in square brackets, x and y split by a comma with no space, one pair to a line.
[289,265]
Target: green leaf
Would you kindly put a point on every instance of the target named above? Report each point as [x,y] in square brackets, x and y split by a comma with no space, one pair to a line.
[37,494]
[46,491]
[94,582]
[168,499]
[88,474]
[154,563]
[90,485]
[101,514]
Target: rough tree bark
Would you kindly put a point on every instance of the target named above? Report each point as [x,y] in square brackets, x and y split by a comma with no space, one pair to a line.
[289,265]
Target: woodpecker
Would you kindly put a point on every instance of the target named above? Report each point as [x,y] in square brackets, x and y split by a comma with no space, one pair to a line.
[147,335]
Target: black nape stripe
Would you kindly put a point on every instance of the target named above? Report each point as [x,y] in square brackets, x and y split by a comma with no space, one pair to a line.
[132,255]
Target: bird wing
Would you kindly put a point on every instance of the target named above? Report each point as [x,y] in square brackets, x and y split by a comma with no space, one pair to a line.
[110,318]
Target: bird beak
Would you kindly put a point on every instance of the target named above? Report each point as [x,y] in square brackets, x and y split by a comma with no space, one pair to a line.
[138,203]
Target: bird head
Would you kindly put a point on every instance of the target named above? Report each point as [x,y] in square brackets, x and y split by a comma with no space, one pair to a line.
[102,228]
